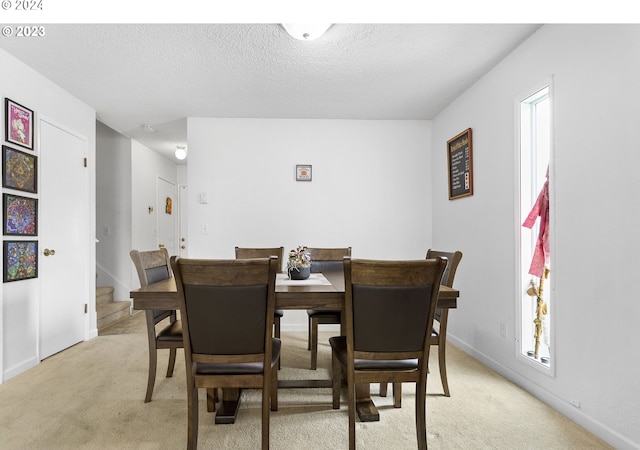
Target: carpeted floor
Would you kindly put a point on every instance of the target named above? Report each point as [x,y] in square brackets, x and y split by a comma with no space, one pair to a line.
[91,397]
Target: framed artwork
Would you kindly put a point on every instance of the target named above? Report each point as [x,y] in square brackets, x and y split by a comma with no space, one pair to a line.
[303,172]
[19,215]
[19,170]
[20,260]
[19,124]
[460,163]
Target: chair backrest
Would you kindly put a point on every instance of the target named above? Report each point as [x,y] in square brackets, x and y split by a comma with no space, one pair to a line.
[390,306]
[328,259]
[226,307]
[262,252]
[152,265]
[453,259]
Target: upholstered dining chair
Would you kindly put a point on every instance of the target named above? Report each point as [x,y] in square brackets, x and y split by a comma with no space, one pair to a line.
[265,252]
[439,334]
[323,260]
[227,311]
[389,311]
[153,266]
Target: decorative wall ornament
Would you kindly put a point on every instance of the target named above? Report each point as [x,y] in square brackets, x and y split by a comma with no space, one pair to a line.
[20,260]
[19,124]
[460,162]
[20,215]
[19,170]
[303,172]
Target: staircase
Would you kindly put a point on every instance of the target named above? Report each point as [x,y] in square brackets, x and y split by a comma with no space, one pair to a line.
[109,311]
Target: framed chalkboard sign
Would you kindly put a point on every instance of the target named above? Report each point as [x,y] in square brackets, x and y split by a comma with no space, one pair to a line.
[460,162]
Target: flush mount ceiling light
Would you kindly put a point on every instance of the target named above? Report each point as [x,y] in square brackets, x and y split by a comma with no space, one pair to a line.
[181,152]
[306,31]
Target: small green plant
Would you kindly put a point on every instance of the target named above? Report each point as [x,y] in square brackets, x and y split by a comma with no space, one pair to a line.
[298,258]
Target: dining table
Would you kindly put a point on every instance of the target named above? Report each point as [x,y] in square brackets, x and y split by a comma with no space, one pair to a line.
[324,290]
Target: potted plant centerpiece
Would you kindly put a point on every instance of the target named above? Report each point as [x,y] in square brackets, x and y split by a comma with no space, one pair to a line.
[299,263]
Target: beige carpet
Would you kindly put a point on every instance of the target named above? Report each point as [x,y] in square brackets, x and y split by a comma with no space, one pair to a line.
[91,396]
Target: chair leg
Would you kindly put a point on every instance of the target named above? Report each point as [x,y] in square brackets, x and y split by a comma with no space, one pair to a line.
[276,332]
[192,402]
[383,389]
[314,344]
[153,355]
[212,399]
[336,381]
[442,361]
[397,395]
[266,396]
[172,362]
[421,414]
[274,390]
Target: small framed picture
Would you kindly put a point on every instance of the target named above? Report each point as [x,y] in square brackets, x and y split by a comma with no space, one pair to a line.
[303,172]
[460,162]
[19,215]
[19,170]
[19,124]
[20,260]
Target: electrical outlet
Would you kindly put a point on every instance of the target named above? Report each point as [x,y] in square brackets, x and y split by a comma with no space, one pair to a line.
[503,329]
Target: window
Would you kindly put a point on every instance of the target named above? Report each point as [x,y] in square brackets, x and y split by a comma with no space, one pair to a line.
[535,299]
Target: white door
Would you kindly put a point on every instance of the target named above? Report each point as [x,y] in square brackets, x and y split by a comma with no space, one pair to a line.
[63,252]
[167,215]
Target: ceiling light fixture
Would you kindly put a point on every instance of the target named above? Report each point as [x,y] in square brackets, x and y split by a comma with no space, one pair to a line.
[306,31]
[181,152]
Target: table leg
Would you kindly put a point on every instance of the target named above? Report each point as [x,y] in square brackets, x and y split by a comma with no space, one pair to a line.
[229,406]
[367,411]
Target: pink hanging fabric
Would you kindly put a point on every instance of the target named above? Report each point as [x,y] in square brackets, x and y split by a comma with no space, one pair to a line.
[541,252]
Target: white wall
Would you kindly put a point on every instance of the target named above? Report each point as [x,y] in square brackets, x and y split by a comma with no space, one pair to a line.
[370,190]
[595,222]
[113,211]
[146,167]
[19,301]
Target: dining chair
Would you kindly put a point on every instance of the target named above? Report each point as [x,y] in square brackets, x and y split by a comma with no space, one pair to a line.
[264,252]
[153,266]
[389,311]
[439,334]
[227,311]
[323,260]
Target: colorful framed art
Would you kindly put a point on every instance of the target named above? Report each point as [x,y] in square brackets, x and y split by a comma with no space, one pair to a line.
[19,170]
[20,260]
[19,124]
[19,215]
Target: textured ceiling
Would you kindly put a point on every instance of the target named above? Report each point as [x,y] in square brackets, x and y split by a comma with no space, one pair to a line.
[160,74]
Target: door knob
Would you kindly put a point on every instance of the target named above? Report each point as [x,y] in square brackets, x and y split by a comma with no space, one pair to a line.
[48,252]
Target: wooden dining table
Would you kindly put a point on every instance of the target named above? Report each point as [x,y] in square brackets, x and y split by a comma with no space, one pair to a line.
[327,295]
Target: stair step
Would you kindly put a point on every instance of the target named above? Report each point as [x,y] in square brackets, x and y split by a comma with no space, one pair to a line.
[104,295]
[109,313]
